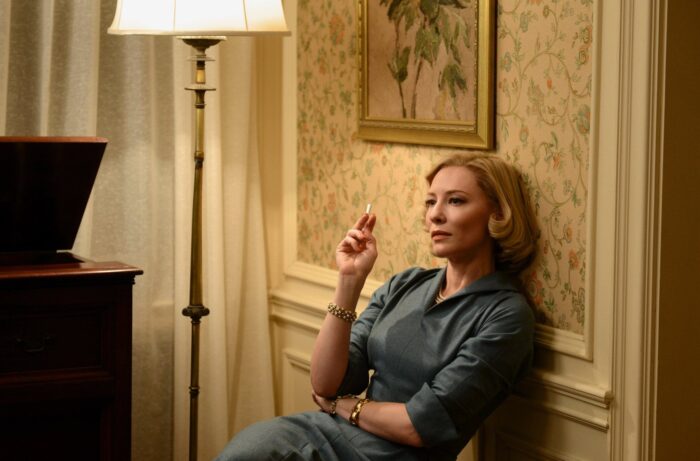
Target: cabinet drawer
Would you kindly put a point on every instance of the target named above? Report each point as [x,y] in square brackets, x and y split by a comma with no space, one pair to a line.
[45,338]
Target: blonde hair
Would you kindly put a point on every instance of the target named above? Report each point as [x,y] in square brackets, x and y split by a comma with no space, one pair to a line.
[514,228]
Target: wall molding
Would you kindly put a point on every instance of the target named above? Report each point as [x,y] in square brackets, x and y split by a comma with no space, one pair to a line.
[510,442]
[288,320]
[296,302]
[639,128]
[295,371]
[297,359]
[562,396]
[563,341]
[600,424]
[565,386]
[652,244]
[324,277]
[282,313]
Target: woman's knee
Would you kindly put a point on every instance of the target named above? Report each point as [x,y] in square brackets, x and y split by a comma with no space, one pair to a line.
[267,440]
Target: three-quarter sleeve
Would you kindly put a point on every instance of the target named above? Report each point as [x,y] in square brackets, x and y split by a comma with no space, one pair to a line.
[487,365]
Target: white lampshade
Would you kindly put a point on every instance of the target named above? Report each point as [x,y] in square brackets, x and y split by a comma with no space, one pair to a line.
[199,17]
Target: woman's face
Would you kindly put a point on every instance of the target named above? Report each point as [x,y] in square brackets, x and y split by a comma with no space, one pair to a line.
[457,216]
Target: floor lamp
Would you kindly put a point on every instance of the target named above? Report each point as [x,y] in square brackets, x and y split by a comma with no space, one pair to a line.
[200,24]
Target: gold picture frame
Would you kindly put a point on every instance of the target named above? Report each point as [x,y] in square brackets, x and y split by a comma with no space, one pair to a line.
[426,72]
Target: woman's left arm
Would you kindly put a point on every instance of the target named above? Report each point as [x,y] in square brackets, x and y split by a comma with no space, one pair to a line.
[387,420]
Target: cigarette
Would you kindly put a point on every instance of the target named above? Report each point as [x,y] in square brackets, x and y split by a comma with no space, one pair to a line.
[369,208]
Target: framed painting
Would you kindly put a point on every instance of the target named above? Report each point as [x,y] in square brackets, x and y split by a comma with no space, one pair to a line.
[426,72]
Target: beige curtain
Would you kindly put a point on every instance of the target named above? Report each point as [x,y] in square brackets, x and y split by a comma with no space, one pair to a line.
[61,74]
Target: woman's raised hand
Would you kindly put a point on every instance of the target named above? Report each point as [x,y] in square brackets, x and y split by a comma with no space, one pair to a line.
[356,253]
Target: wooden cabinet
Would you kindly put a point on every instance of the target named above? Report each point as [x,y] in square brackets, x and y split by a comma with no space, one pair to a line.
[65,359]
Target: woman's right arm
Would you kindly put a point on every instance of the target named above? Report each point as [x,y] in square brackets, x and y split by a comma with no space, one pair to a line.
[355,256]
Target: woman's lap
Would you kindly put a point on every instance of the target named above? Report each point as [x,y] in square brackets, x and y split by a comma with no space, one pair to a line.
[311,436]
[305,436]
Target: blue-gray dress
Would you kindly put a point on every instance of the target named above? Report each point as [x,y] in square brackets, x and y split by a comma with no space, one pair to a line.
[450,363]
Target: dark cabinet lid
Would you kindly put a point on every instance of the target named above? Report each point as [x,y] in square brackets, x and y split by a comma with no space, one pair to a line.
[45,184]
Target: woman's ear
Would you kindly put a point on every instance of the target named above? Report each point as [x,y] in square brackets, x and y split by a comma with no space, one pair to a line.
[497,214]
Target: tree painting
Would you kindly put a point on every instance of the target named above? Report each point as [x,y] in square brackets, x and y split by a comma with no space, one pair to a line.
[426,48]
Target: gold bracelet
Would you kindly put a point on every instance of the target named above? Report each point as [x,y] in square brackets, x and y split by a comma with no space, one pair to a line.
[355,415]
[342,314]
[334,403]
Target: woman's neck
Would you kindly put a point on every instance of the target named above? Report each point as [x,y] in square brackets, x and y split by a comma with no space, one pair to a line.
[461,274]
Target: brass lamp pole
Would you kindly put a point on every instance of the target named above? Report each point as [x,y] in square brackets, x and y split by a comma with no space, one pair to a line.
[196,309]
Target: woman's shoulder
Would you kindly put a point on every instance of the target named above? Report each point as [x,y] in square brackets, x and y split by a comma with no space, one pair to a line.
[414,275]
[499,293]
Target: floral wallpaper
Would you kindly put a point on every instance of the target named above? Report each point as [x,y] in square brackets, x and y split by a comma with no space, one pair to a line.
[543,100]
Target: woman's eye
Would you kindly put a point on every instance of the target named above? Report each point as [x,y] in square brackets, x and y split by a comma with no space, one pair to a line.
[455,201]
[429,202]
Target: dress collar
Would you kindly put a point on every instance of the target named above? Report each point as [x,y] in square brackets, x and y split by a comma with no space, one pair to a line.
[495,281]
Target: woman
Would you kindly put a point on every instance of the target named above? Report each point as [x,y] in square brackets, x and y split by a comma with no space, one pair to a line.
[445,346]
